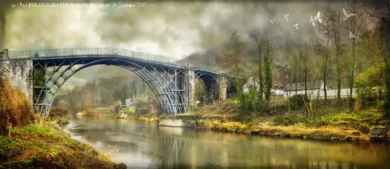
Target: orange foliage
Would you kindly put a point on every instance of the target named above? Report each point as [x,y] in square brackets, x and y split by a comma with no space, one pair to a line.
[15,109]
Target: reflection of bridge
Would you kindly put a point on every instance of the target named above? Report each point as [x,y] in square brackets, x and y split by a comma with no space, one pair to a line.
[48,70]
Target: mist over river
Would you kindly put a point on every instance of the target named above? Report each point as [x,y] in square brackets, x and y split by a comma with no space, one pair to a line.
[146,145]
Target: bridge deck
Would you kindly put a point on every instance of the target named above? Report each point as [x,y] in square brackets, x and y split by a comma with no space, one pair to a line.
[57,56]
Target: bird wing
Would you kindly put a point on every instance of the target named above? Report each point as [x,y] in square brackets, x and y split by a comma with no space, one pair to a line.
[314,24]
[318,14]
[345,12]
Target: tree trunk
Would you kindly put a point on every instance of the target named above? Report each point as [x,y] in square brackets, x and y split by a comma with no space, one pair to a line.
[295,79]
[305,74]
[325,93]
[326,62]
[268,73]
[352,78]
[261,87]
[338,53]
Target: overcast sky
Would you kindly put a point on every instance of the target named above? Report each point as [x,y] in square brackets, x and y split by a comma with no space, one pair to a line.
[173,29]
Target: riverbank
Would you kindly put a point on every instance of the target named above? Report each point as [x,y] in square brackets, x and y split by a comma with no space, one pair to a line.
[297,131]
[329,123]
[331,133]
[44,145]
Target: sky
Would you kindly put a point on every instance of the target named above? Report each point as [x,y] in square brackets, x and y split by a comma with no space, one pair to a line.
[174,29]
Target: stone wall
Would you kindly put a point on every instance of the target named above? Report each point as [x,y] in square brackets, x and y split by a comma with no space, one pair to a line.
[20,73]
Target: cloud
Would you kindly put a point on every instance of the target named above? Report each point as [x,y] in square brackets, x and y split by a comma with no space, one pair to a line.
[176,29]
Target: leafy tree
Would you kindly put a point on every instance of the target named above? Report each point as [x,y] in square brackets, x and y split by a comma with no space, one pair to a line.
[232,61]
[382,12]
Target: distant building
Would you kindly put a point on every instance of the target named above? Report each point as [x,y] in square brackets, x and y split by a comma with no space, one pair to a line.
[315,90]
[312,87]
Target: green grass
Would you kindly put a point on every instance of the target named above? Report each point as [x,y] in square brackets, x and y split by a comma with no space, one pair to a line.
[34,145]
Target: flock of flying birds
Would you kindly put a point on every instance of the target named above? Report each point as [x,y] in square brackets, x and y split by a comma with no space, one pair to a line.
[317,18]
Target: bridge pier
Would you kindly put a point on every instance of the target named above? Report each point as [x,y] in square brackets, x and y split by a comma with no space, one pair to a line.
[223,85]
[19,72]
[190,69]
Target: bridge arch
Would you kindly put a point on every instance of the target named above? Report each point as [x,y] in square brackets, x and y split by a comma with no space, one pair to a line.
[210,85]
[167,83]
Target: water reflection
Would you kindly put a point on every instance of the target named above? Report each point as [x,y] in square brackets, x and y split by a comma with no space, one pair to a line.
[145,145]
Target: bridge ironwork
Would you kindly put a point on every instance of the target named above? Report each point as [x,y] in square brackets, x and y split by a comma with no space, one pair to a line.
[169,81]
[72,52]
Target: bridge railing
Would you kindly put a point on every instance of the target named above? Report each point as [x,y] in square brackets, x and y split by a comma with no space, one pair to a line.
[70,52]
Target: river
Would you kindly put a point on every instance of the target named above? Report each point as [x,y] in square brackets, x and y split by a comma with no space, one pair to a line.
[146,145]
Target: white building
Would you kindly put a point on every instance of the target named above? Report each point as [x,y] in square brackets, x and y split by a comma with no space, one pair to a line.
[315,90]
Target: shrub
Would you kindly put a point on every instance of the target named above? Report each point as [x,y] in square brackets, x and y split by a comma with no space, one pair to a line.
[297,101]
[141,107]
[369,85]
[15,109]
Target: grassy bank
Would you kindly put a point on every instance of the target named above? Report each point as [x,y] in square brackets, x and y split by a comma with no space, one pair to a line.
[328,123]
[41,146]
[299,130]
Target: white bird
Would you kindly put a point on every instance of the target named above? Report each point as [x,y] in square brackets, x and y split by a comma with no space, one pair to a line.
[352,36]
[296,26]
[347,16]
[286,17]
[272,21]
[318,17]
[312,21]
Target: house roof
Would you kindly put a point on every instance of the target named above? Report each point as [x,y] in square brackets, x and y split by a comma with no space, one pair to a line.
[301,85]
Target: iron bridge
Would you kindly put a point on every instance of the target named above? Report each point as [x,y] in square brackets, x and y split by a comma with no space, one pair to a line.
[173,84]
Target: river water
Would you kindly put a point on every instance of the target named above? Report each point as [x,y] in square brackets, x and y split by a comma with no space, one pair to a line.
[146,145]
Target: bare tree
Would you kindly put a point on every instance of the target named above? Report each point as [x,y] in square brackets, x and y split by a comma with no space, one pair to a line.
[323,50]
[356,24]
[258,42]
[304,57]
[335,24]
